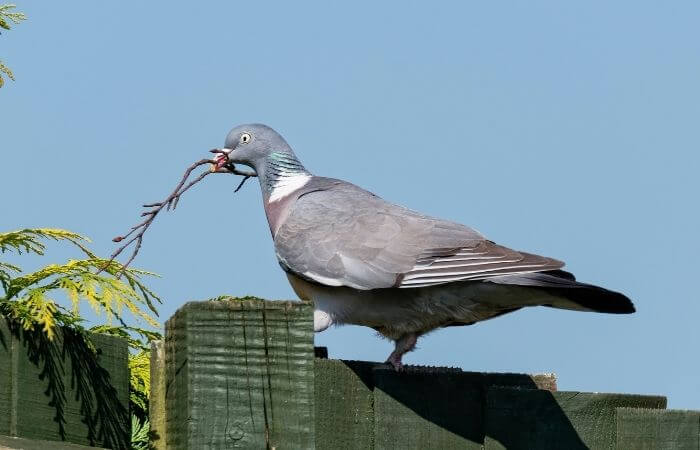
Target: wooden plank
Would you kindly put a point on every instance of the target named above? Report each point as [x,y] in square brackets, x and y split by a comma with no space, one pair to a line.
[156,401]
[650,429]
[524,419]
[67,393]
[240,373]
[176,380]
[426,407]
[544,381]
[344,398]
[6,378]
[15,443]
[60,390]
[487,380]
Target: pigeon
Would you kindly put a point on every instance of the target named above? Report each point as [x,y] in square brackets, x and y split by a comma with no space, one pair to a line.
[365,261]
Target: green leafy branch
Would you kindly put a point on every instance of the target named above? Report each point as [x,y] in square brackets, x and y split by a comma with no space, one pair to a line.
[140,434]
[6,70]
[7,16]
[29,239]
[139,378]
[140,381]
[139,343]
[105,285]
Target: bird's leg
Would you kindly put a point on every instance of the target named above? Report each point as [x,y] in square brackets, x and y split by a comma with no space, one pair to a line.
[403,345]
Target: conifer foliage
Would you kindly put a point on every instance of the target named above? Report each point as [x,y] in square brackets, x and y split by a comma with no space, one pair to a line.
[28,297]
[7,17]
[108,287]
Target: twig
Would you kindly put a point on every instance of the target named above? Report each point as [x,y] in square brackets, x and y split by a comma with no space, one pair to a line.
[169,203]
[240,185]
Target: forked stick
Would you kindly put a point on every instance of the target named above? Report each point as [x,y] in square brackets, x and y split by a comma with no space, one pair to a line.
[169,203]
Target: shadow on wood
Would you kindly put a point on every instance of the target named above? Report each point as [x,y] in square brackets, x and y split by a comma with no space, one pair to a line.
[62,389]
[453,403]
[362,404]
[517,419]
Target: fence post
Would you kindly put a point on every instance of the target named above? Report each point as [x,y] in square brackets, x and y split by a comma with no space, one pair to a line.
[156,402]
[240,373]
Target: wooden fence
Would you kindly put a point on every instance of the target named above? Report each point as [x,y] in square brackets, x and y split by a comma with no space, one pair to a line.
[245,374]
[62,390]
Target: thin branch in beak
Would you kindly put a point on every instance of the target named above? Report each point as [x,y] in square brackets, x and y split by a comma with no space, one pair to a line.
[231,168]
[169,203]
[240,185]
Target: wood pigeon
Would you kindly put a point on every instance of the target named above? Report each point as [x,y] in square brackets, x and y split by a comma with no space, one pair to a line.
[365,261]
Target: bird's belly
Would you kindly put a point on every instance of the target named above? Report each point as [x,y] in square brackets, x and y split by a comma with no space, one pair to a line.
[302,288]
[393,312]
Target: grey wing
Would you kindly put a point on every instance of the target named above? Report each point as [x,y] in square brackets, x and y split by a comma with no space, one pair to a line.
[481,261]
[346,236]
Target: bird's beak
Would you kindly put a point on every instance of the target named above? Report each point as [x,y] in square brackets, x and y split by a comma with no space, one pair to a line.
[221,158]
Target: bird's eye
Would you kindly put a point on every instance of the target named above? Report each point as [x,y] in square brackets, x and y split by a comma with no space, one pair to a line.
[245,138]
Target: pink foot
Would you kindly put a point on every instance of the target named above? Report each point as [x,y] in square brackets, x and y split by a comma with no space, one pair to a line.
[403,345]
[395,361]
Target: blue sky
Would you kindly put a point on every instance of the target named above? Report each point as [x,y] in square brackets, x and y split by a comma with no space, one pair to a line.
[560,128]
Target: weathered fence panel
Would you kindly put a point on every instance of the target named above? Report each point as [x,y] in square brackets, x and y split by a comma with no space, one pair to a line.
[362,405]
[61,390]
[438,408]
[6,379]
[519,419]
[15,443]
[657,429]
[344,404]
[240,374]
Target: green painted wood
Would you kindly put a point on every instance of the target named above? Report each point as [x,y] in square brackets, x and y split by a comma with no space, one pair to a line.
[6,378]
[344,398]
[538,419]
[438,408]
[61,391]
[651,429]
[156,401]
[427,408]
[544,381]
[15,443]
[240,373]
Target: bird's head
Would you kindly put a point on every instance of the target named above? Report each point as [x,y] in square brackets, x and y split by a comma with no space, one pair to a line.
[250,145]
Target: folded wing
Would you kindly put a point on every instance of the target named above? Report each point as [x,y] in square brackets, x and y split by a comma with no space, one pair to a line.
[341,235]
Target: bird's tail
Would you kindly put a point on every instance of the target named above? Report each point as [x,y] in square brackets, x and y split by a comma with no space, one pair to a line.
[561,290]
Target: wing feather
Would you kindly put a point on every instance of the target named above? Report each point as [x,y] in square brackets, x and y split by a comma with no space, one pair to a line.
[341,235]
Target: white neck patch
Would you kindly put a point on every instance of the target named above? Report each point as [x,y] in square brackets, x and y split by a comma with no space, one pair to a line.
[288,184]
